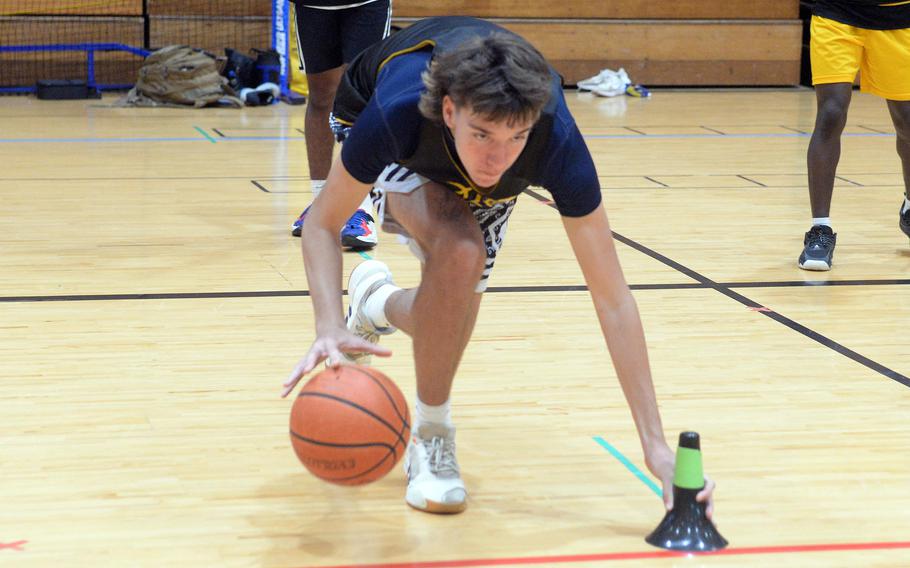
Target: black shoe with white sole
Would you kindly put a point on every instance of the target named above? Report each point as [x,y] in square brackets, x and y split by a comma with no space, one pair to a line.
[819,248]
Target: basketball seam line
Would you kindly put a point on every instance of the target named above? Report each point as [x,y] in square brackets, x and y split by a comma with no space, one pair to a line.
[358,407]
[362,473]
[387,393]
[339,445]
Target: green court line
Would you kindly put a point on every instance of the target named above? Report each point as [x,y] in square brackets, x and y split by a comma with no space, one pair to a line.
[206,134]
[365,255]
[630,466]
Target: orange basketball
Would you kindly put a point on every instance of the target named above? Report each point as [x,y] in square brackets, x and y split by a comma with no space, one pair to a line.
[350,425]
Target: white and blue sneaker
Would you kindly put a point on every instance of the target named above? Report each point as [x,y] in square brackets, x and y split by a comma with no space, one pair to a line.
[365,280]
[434,479]
[359,233]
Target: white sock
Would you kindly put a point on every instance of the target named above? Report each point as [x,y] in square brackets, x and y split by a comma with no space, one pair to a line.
[374,308]
[441,414]
[826,221]
[316,186]
[366,204]
[906,205]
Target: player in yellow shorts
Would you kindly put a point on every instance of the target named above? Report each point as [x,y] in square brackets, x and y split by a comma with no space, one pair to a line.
[873,37]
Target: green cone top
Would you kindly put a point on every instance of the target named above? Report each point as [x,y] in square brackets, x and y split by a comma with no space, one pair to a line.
[688,473]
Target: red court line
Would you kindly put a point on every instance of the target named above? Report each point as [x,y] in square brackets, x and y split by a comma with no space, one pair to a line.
[17,546]
[633,555]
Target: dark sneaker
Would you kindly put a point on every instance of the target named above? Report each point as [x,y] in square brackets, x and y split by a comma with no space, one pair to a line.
[298,224]
[905,221]
[819,249]
[359,232]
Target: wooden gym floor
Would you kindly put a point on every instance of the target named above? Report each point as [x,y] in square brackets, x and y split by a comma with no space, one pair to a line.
[153,301]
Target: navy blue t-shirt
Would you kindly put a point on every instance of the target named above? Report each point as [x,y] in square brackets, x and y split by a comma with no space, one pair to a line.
[390,129]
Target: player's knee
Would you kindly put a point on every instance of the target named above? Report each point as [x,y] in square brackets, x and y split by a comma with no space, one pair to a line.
[321,98]
[321,105]
[902,122]
[463,254]
[832,117]
[471,255]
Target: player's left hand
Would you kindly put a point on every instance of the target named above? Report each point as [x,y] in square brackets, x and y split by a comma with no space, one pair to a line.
[662,463]
[331,347]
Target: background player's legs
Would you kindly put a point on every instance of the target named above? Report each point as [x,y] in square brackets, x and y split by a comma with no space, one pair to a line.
[359,28]
[900,114]
[322,38]
[832,101]
[359,232]
[319,138]
[824,147]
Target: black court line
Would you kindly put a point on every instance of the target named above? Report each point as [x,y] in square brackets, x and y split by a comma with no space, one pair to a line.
[727,291]
[159,178]
[218,132]
[649,179]
[264,189]
[629,128]
[856,183]
[713,130]
[657,182]
[491,290]
[152,296]
[293,293]
[702,282]
[758,183]
[818,283]
[269,177]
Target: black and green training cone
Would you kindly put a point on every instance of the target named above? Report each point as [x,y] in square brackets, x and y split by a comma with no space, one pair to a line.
[687,527]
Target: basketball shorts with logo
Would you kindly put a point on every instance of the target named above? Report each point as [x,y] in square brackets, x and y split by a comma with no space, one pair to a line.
[493,221]
[882,57]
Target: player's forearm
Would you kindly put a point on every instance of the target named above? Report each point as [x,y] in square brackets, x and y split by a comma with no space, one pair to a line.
[322,260]
[622,329]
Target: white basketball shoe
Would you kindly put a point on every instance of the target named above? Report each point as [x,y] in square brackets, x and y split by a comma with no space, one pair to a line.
[434,480]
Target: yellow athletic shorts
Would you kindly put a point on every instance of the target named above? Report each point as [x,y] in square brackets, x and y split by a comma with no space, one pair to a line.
[839,50]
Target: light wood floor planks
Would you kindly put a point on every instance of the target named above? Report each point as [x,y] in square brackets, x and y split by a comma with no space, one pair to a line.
[152,302]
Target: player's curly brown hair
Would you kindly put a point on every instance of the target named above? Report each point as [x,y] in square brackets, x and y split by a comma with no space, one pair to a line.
[500,77]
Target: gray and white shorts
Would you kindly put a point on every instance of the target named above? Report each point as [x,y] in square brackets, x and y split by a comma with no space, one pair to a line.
[493,220]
